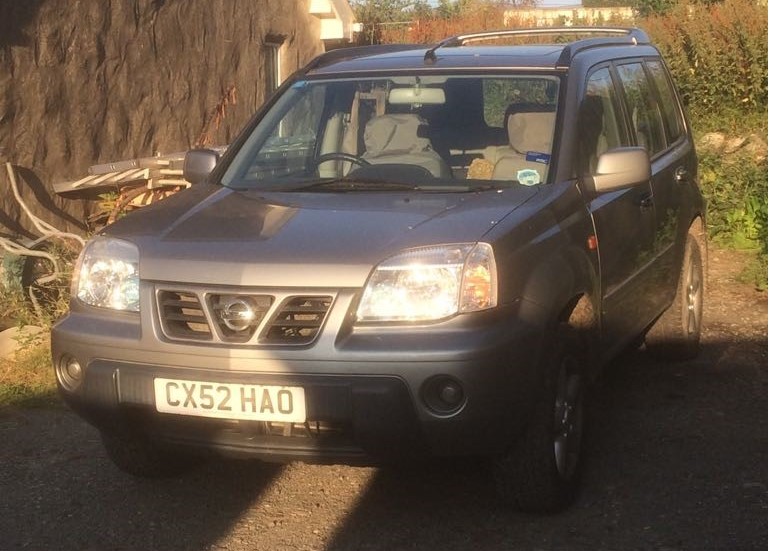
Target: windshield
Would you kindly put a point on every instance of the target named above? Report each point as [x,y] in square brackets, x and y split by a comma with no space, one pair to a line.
[430,132]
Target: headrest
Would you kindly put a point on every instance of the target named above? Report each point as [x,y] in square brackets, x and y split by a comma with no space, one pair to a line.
[530,127]
[591,118]
[397,133]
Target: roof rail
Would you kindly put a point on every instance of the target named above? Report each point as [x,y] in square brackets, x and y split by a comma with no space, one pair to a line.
[611,36]
[357,51]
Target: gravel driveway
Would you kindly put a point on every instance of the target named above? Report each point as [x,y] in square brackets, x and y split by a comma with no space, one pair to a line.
[677,460]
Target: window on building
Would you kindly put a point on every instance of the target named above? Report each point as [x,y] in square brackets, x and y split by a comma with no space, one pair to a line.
[272,73]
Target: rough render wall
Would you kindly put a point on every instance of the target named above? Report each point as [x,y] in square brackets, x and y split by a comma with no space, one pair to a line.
[90,81]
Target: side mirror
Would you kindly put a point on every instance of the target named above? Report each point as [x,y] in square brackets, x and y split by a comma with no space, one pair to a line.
[621,168]
[198,164]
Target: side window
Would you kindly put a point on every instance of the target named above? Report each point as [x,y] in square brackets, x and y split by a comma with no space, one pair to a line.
[301,123]
[291,144]
[670,110]
[599,120]
[643,108]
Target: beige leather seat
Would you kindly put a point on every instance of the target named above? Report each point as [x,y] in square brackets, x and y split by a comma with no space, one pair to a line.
[397,139]
[530,131]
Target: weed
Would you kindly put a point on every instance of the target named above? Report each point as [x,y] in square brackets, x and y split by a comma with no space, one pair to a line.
[27,377]
[736,191]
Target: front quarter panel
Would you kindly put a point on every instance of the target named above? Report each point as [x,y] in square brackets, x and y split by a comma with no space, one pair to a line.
[545,260]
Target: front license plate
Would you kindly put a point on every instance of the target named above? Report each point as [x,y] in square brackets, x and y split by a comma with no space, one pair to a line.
[230,400]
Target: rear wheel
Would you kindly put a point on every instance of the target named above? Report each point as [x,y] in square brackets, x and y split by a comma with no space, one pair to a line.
[541,472]
[139,456]
[676,334]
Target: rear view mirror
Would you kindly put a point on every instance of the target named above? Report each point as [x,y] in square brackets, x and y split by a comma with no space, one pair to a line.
[621,168]
[198,164]
[417,96]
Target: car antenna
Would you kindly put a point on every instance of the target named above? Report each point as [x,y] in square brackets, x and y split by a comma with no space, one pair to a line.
[431,58]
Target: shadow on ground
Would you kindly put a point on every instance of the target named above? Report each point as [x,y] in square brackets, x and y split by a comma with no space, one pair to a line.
[75,499]
[677,460]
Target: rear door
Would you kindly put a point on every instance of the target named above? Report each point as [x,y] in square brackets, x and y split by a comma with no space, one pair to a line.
[656,123]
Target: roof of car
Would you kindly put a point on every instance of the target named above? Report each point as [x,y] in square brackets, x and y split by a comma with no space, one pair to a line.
[461,52]
[540,56]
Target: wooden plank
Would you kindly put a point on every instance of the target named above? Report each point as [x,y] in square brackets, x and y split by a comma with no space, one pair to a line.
[159,171]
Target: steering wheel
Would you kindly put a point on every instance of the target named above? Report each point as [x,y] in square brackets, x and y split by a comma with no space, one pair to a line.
[341,156]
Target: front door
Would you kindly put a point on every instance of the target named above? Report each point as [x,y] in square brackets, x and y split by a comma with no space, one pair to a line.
[624,219]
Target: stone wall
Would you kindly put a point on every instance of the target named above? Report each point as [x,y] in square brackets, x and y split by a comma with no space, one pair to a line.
[91,81]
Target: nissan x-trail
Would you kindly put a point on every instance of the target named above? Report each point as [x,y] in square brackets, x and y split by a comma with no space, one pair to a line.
[410,252]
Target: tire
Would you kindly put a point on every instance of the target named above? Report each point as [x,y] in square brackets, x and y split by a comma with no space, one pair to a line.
[542,472]
[139,456]
[676,334]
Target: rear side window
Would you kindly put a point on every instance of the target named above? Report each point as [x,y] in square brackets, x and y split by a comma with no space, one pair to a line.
[673,123]
[643,108]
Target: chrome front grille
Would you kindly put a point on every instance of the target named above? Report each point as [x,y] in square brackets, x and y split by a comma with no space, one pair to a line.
[298,320]
[237,317]
[205,315]
[182,316]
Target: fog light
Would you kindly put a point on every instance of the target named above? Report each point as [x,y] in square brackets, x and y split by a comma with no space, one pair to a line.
[451,393]
[70,372]
[73,369]
[443,395]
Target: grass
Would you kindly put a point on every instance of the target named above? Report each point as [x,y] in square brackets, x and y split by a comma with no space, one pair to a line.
[27,379]
[756,273]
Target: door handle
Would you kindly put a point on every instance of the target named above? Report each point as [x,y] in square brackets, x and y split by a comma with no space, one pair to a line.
[647,202]
[681,175]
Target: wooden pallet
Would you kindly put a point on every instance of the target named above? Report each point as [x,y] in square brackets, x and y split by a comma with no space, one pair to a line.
[152,172]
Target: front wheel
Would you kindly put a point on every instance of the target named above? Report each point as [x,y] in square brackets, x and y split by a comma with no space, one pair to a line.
[541,473]
[676,334]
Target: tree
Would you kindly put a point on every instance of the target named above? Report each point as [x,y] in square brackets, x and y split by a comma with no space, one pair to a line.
[449,9]
[374,15]
[649,7]
[608,3]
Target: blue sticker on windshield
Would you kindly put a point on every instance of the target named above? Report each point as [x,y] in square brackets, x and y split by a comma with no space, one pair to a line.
[536,157]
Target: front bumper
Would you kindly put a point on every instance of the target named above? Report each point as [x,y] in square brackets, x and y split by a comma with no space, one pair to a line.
[365,389]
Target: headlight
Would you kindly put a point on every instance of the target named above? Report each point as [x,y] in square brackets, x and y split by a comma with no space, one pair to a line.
[107,275]
[431,283]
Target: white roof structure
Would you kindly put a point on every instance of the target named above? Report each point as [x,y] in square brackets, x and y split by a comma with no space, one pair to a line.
[337,21]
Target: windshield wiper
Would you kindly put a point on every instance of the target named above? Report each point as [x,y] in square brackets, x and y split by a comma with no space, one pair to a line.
[345,185]
[353,184]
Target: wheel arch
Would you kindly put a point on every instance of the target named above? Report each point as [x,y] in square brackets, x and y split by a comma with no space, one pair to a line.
[566,288]
[698,231]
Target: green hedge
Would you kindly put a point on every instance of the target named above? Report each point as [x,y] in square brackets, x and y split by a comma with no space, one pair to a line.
[736,190]
[717,54]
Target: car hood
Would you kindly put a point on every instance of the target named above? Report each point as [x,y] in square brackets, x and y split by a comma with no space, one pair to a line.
[216,235]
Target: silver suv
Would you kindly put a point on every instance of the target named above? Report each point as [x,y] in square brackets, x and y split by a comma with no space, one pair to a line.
[409,252]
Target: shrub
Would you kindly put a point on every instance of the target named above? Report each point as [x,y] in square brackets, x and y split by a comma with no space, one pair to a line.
[736,191]
[717,54]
